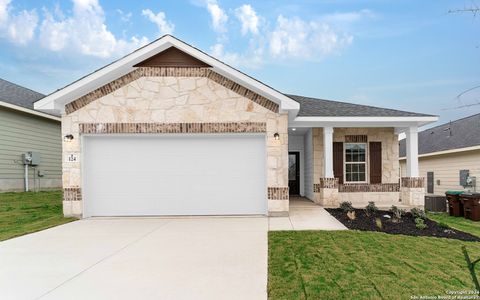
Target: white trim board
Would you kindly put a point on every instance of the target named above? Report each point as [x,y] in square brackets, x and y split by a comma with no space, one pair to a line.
[400,123]
[29,111]
[451,151]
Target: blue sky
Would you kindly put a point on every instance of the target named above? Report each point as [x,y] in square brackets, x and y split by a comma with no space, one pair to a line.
[406,54]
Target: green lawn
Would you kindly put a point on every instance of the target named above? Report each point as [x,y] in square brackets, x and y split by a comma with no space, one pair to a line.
[364,265]
[459,223]
[22,213]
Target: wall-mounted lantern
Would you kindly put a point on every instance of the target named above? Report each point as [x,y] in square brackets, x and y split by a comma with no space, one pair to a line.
[276,136]
[68,138]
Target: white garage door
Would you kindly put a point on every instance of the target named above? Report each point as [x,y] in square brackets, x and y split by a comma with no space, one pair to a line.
[174,175]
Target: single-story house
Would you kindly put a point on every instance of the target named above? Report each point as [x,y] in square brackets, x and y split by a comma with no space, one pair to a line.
[24,130]
[445,152]
[171,130]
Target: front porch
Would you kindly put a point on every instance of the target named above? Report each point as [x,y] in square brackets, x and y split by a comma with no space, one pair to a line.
[305,215]
[329,165]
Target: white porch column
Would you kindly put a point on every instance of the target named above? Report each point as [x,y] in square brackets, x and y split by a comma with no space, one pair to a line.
[328,152]
[412,151]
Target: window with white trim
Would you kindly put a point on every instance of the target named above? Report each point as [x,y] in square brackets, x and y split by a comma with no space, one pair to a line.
[355,162]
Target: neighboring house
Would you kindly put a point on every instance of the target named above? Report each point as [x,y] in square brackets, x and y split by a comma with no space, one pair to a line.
[446,149]
[170,130]
[22,129]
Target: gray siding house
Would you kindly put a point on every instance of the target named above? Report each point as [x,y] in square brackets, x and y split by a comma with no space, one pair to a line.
[23,130]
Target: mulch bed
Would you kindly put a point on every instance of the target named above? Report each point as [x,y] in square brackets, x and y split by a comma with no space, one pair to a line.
[406,226]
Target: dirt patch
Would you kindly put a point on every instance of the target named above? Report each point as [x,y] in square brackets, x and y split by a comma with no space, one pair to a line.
[405,226]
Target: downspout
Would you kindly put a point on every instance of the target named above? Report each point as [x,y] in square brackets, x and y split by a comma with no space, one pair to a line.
[26,177]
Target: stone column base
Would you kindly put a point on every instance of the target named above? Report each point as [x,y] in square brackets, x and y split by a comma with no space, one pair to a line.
[326,192]
[72,209]
[412,191]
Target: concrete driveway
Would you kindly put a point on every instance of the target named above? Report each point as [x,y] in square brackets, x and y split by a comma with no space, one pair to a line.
[139,258]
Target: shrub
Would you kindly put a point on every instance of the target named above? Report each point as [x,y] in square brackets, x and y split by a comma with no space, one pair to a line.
[420,223]
[418,213]
[370,209]
[443,225]
[346,206]
[397,213]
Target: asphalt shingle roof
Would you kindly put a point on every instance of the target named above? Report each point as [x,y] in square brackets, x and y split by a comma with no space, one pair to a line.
[18,95]
[457,134]
[310,107]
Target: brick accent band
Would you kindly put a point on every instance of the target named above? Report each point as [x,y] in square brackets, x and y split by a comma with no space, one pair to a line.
[278,193]
[328,183]
[356,139]
[413,182]
[368,188]
[171,72]
[72,194]
[235,127]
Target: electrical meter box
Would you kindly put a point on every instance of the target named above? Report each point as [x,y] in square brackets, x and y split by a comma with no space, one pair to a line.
[463,177]
[31,158]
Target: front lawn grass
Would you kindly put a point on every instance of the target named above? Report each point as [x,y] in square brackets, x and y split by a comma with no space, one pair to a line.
[22,213]
[365,265]
[459,223]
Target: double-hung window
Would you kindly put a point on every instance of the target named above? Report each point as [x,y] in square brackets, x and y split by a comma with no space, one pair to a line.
[355,162]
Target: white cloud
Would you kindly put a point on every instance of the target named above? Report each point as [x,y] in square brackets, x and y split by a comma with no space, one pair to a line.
[249,19]
[4,11]
[348,17]
[159,19]
[295,38]
[18,28]
[219,17]
[84,31]
[125,17]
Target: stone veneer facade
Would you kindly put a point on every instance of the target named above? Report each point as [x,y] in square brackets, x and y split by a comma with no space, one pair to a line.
[331,194]
[154,100]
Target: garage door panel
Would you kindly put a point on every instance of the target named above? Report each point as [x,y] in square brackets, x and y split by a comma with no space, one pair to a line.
[174,175]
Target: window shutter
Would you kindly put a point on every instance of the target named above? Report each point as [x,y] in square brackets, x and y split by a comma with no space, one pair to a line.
[375,149]
[338,161]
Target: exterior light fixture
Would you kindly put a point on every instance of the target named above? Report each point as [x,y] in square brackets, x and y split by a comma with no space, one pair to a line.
[293,129]
[68,138]
[276,136]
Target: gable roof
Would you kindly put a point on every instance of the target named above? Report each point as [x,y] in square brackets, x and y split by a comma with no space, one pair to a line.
[329,108]
[18,95]
[461,133]
[19,98]
[57,100]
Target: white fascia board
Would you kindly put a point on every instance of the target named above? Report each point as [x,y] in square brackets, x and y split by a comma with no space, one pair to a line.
[398,122]
[124,66]
[451,151]
[29,111]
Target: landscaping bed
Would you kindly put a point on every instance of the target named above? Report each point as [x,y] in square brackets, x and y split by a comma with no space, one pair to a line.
[406,225]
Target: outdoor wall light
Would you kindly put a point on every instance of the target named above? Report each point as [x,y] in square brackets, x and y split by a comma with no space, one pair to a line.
[68,138]
[276,136]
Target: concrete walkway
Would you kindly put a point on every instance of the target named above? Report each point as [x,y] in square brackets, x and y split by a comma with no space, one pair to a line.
[139,258]
[305,215]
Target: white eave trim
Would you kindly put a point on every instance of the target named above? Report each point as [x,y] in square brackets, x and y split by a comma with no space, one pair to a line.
[29,111]
[399,122]
[125,65]
[451,151]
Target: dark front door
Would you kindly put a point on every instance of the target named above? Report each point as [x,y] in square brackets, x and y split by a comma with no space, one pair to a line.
[430,182]
[294,173]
